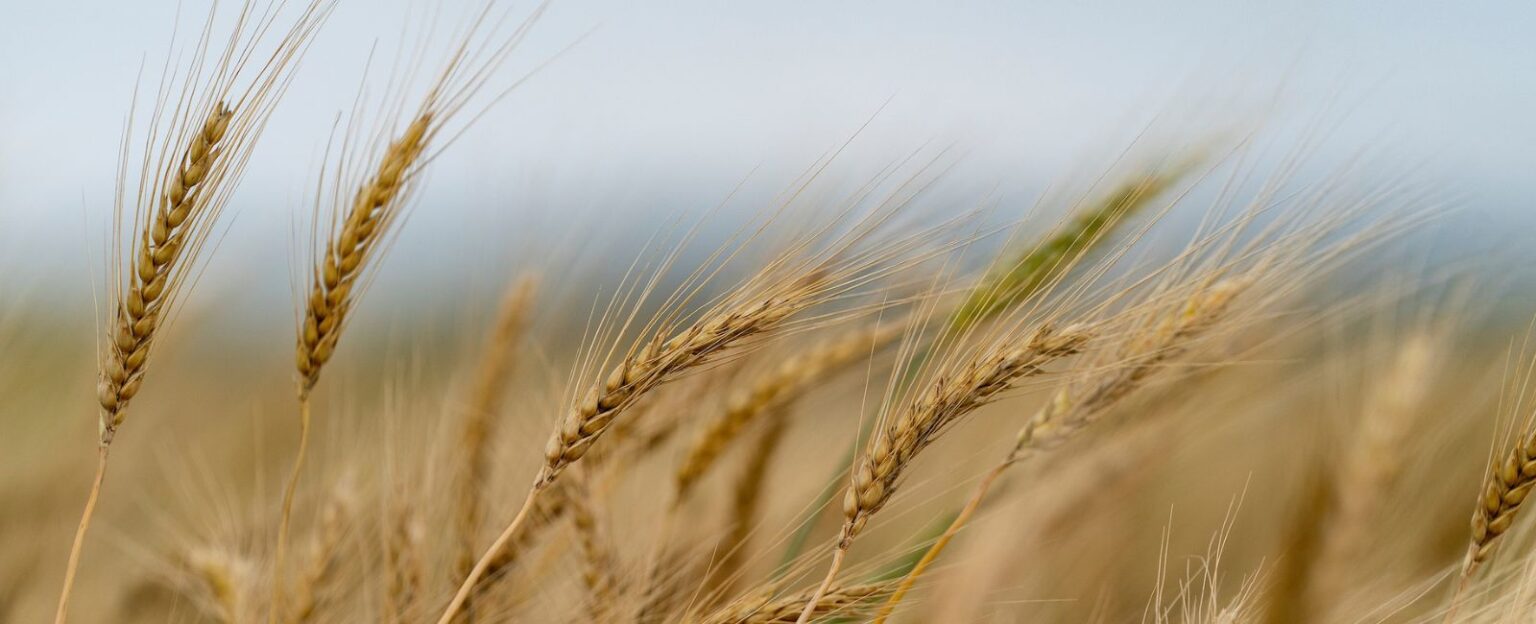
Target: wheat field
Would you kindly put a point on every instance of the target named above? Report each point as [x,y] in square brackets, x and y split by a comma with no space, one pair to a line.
[1200,382]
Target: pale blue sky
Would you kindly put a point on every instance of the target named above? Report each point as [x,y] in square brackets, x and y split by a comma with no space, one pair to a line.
[676,101]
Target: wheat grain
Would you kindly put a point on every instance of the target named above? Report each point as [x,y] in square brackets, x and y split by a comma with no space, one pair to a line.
[746,501]
[1507,485]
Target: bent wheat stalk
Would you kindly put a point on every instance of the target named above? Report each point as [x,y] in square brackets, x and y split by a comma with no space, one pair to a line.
[191,167]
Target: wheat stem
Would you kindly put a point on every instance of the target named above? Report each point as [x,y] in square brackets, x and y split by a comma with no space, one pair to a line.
[826,583]
[490,555]
[288,493]
[85,524]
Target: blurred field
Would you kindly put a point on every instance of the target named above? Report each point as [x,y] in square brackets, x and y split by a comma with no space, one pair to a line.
[1223,367]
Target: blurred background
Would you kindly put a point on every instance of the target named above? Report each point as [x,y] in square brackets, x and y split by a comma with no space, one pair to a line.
[650,114]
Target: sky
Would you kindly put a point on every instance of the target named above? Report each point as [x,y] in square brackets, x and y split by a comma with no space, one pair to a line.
[656,107]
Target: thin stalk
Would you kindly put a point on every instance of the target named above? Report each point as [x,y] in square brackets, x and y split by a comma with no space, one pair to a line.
[826,583]
[490,554]
[85,524]
[288,493]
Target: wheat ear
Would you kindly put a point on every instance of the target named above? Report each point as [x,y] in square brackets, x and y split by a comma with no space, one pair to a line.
[1504,491]
[1146,353]
[597,569]
[363,225]
[947,399]
[374,206]
[1049,259]
[402,559]
[654,363]
[184,184]
[221,575]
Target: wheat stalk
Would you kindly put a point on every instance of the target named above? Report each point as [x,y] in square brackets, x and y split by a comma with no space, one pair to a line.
[547,510]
